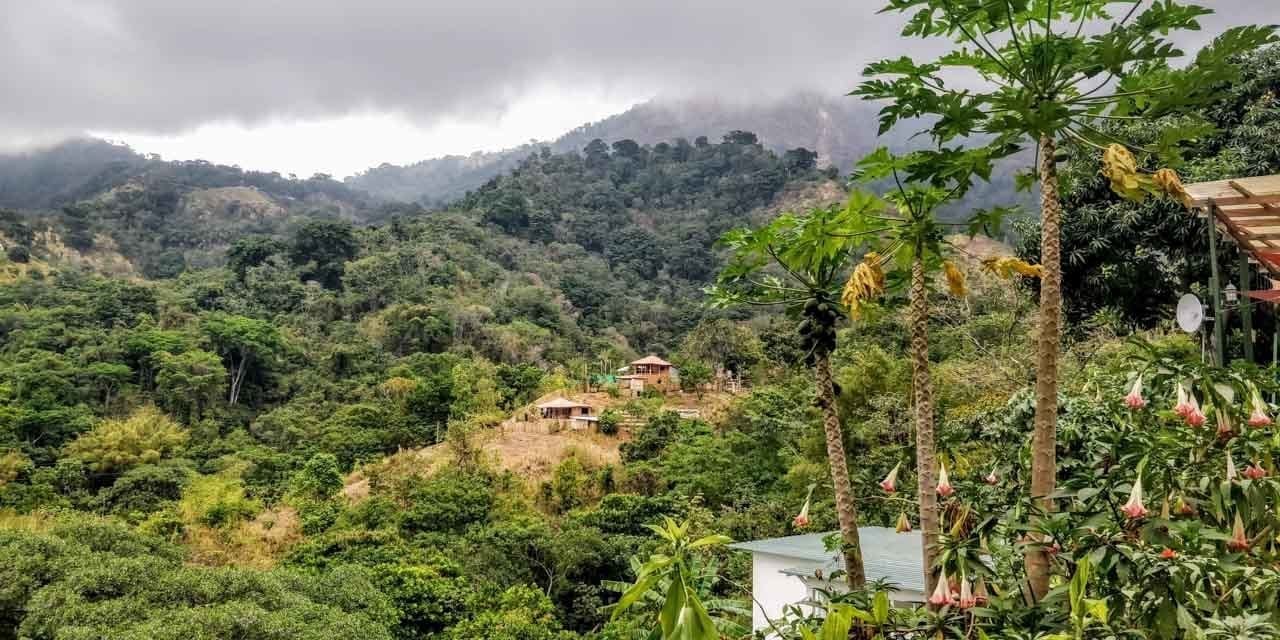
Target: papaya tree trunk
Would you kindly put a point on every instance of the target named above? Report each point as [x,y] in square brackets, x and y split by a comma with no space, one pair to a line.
[1045,439]
[926,455]
[846,508]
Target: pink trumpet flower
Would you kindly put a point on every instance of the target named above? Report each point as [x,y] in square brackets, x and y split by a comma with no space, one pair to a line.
[890,482]
[980,592]
[1135,400]
[1134,507]
[1184,407]
[967,600]
[1254,472]
[904,524]
[1224,424]
[1185,508]
[802,519]
[944,483]
[1231,469]
[942,593]
[1194,417]
[1259,417]
[1239,540]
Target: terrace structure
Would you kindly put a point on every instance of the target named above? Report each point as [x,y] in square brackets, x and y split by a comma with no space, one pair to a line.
[1247,210]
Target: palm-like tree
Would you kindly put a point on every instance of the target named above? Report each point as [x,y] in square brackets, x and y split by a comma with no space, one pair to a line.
[912,242]
[1033,74]
[799,261]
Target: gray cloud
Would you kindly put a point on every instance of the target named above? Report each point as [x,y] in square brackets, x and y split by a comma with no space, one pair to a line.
[162,66]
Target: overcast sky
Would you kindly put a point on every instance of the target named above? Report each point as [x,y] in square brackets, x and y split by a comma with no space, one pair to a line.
[336,86]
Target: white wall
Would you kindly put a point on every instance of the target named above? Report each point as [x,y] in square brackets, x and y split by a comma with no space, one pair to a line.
[774,590]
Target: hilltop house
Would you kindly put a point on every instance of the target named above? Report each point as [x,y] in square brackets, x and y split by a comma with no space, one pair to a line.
[562,413]
[793,570]
[649,372]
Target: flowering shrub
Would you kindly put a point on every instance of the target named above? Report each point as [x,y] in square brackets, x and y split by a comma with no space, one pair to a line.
[1165,526]
[1168,504]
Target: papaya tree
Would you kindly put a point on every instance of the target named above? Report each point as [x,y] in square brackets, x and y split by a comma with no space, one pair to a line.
[1033,74]
[799,262]
[905,248]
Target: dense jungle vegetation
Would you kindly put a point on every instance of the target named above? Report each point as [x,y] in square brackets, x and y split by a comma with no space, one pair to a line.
[221,438]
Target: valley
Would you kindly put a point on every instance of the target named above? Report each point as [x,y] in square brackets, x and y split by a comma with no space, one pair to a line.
[536,394]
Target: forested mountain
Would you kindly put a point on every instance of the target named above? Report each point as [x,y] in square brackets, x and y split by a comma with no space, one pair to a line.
[205,420]
[119,211]
[242,405]
[622,235]
[64,173]
[839,129]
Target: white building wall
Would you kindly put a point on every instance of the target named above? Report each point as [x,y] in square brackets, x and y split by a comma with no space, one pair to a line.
[774,590]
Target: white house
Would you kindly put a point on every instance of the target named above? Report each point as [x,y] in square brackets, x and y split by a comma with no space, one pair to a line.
[788,571]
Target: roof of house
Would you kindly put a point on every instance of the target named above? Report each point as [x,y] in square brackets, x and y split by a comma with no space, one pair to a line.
[561,403]
[652,359]
[886,554]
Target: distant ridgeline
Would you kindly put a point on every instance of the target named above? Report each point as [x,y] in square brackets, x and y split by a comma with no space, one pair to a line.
[837,128]
[649,207]
[100,199]
[616,236]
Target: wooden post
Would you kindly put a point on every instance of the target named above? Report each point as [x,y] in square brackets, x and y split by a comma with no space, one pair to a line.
[1246,305]
[1215,288]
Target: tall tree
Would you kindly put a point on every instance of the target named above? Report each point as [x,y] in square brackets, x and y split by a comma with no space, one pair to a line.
[799,261]
[1031,73]
[323,248]
[251,251]
[912,243]
[188,383]
[244,343]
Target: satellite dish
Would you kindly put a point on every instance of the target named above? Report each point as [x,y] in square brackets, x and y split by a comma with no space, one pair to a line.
[1190,313]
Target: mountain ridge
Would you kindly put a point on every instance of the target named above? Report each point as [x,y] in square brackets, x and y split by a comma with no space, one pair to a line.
[839,129]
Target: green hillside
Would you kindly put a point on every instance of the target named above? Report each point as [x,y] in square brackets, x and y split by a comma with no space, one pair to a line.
[241,405]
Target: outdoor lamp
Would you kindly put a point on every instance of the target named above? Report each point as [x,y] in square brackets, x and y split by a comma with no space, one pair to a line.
[1232,293]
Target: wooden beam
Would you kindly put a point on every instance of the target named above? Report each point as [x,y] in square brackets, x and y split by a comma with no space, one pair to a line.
[1241,237]
[1270,220]
[1215,291]
[1246,305]
[1231,201]
[1270,198]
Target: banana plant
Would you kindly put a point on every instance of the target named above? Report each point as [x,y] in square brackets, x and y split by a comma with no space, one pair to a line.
[731,617]
[1086,614]
[683,616]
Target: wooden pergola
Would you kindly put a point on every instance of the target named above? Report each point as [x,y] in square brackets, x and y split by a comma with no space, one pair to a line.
[1248,211]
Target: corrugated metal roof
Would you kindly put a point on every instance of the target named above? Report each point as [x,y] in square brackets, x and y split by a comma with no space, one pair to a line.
[561,403]
[652,359]
[886,554]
